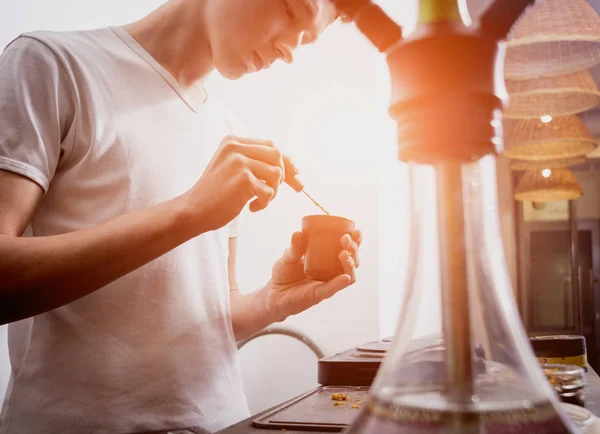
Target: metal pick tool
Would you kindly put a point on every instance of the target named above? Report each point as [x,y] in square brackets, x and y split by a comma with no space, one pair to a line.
[291,179]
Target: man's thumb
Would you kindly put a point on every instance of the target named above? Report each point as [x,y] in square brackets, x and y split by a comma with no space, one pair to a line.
[297,248]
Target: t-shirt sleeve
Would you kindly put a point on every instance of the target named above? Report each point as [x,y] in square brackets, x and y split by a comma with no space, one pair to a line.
[37,108]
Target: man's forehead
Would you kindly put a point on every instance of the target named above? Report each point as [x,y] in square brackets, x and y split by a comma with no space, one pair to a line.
[322,13]
[321,8]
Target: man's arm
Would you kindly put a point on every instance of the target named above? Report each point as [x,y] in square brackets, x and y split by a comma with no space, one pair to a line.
[249,314]
[38,274]
[38,105]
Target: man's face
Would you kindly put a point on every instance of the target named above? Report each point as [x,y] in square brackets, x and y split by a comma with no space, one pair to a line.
[249,35]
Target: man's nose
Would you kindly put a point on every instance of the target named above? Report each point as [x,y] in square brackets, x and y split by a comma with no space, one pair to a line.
[286,53]
[288,44]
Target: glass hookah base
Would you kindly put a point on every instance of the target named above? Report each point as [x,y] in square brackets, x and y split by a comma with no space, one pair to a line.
[380,417]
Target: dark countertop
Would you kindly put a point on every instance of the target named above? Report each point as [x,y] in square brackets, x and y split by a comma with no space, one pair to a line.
[592,399]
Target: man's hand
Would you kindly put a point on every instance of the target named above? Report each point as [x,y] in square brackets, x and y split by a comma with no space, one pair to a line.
[292,292]
[240,170]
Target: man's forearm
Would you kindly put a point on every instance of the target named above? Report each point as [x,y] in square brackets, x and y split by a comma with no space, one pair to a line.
[249,313]
[38,274]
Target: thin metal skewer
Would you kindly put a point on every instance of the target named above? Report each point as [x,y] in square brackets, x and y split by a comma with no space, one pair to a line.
[315,202]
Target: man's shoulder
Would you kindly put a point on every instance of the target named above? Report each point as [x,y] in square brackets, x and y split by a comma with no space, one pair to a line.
[65,44]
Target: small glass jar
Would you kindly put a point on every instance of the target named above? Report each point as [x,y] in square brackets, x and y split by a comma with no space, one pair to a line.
[567,381]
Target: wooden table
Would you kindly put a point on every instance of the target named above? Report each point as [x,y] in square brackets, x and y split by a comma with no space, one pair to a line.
[592,399]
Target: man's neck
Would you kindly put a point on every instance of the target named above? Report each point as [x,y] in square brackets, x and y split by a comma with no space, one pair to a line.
[175,36]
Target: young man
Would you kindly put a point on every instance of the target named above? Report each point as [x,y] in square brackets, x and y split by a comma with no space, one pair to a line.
[131,180]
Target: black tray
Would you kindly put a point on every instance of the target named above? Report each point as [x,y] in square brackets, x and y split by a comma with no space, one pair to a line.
[316,411]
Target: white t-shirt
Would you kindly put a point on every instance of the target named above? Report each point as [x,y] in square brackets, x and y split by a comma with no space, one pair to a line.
[104,129]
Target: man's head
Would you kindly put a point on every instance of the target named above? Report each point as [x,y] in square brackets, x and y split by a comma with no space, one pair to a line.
[249,35]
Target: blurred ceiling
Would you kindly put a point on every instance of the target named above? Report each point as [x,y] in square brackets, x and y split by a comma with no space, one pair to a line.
[591,117]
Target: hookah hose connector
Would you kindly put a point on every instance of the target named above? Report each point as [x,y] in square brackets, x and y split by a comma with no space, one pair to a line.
[498,20]
[372,21]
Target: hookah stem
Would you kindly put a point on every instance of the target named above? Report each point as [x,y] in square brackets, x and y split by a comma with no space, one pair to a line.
[456,322]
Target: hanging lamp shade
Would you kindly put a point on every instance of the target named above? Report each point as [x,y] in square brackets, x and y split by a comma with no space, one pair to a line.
[548,185]
[525,165]
[561,137]
[554,37]
[557,96]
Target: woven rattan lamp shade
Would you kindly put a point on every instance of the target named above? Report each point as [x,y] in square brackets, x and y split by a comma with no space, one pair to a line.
[559,185]
[554,37]
[557,96]
[546,164]
[534,140]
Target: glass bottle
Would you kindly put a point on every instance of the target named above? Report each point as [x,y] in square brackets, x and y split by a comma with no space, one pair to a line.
[484,377]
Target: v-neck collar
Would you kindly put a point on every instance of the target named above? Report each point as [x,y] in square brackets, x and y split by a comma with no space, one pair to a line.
[127,39]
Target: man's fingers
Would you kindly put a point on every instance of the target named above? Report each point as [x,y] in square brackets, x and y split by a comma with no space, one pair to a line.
[351,246]
[261,150]
[272,175]
[263,193]
[297,249]
[330,288]
[357,237]
[285,273]
[253,141]
[263,153]
[348,264]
